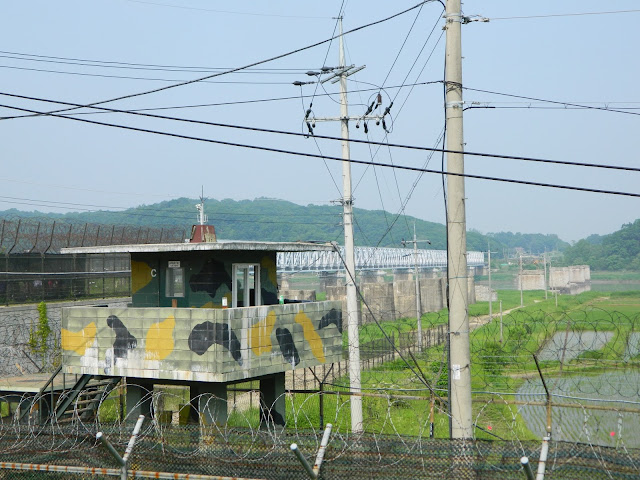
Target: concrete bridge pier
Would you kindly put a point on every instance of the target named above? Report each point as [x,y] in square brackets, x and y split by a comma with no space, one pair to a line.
[327,279]
[372,276]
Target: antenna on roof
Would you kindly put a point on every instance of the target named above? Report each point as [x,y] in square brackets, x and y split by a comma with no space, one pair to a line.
[202,218]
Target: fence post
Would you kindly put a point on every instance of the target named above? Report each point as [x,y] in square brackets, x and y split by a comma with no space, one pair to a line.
[321,404]
[527,468]
[6,279]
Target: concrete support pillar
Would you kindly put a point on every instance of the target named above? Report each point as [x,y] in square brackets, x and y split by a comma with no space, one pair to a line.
[212,403]
[283,281]
[371,276]
[339,294]
[299,295]
[272,400]
[380,299]
[138,399]
[471,287]
[327,279]
[402,275]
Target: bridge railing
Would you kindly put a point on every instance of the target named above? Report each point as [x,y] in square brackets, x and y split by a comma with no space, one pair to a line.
[368,258]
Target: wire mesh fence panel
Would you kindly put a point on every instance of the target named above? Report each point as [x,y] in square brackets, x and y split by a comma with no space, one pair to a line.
[29,278]
[266,454]
[32,270]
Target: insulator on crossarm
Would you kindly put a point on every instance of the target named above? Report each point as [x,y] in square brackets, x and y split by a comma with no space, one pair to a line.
[370,109]
[388,109]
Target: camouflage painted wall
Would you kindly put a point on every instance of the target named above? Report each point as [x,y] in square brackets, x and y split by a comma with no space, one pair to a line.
[208,345]
[208,277]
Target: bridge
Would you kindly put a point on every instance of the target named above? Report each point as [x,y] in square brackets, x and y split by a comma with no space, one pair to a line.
[369,258]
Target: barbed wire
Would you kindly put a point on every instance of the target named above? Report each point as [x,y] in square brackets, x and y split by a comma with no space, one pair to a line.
[589,357]
[37,237]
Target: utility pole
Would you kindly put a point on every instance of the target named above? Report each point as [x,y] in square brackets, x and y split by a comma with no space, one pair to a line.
[544,259]
[490,290]
[340,74]
[521,279]
[352,295]
[459,350]
[417,279]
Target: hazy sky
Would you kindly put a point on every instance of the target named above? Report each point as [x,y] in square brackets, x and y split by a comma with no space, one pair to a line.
[583,59]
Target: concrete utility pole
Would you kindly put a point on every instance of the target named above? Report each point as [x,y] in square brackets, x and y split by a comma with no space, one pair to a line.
[417,279]
[490,291]
[521,282]
[340,74]
[418,300]
[459,350]
[352,295]
[544,259]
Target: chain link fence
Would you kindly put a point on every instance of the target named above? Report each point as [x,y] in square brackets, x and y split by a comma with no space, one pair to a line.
[266,454]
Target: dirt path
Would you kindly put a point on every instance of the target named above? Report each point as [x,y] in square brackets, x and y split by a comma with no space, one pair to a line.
[480,320]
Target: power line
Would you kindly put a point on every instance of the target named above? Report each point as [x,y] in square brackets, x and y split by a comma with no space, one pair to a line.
[238,102]
[324,62]
[254,64]
[53,203]
[403,44]
[556,102]
[360,162]
[297,134]
[564,15]
[229,12]
[315,91]
[127,77]
[139,66]
[66,187]
[214,216]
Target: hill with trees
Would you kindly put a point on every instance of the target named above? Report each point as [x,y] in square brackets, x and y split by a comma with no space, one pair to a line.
[279,220]
[617,251]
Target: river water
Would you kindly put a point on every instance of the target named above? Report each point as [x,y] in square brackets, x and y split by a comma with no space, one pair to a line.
[616,390]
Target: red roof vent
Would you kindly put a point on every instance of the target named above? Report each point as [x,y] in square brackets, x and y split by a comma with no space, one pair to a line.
[203,234]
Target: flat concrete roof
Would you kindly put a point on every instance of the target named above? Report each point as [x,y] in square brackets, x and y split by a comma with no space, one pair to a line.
[32,383]
[220,245]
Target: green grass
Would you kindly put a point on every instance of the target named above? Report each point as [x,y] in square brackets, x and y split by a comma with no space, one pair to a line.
[495,367]
[620,276]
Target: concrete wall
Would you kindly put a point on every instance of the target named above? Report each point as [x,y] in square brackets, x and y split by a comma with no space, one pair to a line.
[371,276]
[482,293]
[404,297]
[338,294]
[379,298]
[558,277]
[327,280]
[531,280]
[570,280]
[433,294]
[471,288]
[205,345]
[304,295]
[15,322]
[579,273]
